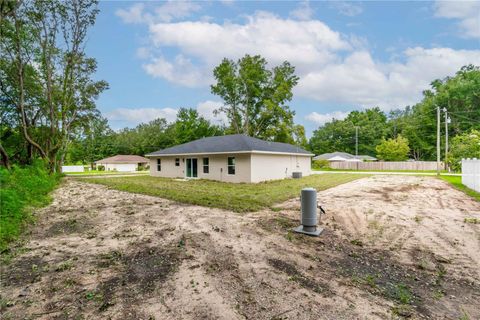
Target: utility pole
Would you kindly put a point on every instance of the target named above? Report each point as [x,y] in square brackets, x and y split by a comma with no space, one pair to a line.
[438,140]
[356,140]
[447,121]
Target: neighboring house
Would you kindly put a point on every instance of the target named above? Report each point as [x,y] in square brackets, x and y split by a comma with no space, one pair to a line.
[231,158]
[366,158]
[343,156]
[123,163]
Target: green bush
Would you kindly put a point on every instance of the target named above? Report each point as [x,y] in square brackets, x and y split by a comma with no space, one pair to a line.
[100,168]
[22,188]
[466,145]
[320,164]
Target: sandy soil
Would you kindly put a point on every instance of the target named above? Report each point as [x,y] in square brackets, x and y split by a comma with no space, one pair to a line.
[392,247]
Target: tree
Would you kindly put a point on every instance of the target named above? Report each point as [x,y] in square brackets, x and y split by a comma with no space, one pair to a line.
[466,145]
[46,75]
[190,126]
[339,135]
[459,94]
[255,98]
[393,149]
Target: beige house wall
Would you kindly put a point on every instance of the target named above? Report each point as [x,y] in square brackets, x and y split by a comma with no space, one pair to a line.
[277,166]
[217,167]
[122,167]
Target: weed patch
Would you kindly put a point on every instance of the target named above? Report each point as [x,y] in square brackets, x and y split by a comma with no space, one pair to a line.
[21,189]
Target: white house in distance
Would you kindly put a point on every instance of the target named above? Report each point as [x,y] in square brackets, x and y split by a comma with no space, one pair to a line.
[343,156]
[123,163]
[231,158]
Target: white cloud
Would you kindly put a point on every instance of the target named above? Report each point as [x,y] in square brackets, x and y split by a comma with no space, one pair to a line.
[207,110]
[167,12]
[136,116]
[303,43]
[321,119]
[134,14]
[303,12]
[332,67]
[347,8]
[360,80]
[468,12]
[180,71]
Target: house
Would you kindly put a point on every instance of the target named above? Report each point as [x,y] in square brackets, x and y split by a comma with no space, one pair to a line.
[123,163]
[230,158]
[366,158]
[343,156]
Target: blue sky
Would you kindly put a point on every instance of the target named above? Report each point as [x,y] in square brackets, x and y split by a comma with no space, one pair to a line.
[159,56]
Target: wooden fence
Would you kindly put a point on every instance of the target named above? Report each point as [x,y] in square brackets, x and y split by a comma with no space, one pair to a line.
[471,173]
[393,165]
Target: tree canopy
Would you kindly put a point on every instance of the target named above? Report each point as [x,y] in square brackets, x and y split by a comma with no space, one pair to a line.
[459,95]
[394,149]
[255,98]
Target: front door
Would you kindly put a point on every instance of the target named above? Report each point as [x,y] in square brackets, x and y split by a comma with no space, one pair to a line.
[192,169]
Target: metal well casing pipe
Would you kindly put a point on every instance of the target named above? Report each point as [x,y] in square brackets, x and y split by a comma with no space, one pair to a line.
[309,209]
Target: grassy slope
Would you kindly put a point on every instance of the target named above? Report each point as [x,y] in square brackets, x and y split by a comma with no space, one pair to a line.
[22,189]
[236,197]
[456,182]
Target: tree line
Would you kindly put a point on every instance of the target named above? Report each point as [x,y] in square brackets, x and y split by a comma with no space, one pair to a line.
[48,101]
[459,95]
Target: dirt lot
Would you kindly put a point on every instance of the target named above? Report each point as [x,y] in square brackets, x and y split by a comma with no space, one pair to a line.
[392,247]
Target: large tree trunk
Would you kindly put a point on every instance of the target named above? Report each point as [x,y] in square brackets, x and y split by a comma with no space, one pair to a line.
[5,158]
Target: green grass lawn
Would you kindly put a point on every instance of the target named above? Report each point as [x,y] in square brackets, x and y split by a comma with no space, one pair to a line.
[242,197]
[456,182]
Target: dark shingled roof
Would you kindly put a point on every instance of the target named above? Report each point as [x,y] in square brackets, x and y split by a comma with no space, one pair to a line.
[229,143]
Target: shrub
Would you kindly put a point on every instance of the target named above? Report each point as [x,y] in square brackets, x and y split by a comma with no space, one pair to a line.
[22,188]
[393,149]
[466,145]
[101,168]
[320,164]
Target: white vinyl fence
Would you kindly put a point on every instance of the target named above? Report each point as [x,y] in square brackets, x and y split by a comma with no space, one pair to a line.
[73,169]
[471,173]
[387,165]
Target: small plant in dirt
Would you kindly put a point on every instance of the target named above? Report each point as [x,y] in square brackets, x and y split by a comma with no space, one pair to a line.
[404,311]
[357,242]
[402,293]
[422,264]
[438,294]
[289,236]
[441,272]
[464,316]
[284,222]
[64,266]
[472,220]
[108,259]
[418,219]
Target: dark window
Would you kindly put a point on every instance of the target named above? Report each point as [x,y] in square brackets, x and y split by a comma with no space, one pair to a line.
[231,165]
[205,165]
[177,162]
[159,165]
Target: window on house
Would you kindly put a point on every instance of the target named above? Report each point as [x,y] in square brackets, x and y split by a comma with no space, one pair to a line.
[177,162]
[205,165]
[159,165]
[231,165]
